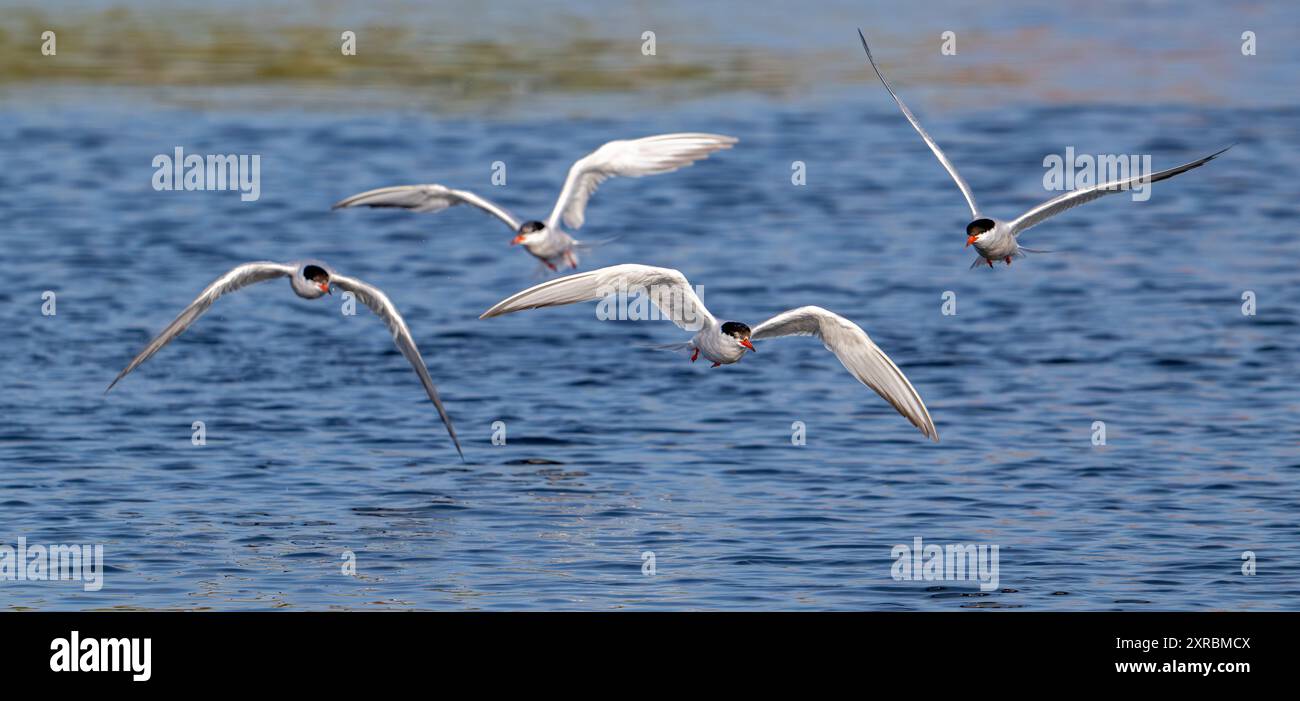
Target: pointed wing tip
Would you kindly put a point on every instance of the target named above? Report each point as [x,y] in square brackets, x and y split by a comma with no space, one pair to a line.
[451,431]
[863,37]
[925,425]
[349,203]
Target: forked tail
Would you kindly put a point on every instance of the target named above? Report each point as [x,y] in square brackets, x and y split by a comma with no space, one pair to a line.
[588,245]
[1020,253]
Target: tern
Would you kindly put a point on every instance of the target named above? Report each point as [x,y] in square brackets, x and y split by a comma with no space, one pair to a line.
[310,280]
[996,239]
[727,342]
[547,241]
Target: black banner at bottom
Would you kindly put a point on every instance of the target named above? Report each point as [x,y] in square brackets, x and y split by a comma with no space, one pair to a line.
[234,650]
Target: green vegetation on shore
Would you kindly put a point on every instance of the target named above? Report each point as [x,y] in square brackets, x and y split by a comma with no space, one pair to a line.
[199,48]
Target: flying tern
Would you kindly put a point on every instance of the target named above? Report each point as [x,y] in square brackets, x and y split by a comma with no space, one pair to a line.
[996,239]
[309,280]
[727,342]
[547,241]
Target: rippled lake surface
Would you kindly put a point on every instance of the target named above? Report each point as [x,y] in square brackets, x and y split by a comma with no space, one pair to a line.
[320,442]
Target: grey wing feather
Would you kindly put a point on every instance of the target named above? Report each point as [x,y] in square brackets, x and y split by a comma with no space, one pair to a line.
[240,276]
[378,302]
[651,155]
[1074,198]
[426,198]
[859,355]
[929,141]
[670,291]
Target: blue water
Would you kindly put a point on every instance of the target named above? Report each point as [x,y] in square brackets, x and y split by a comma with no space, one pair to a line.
[320,442]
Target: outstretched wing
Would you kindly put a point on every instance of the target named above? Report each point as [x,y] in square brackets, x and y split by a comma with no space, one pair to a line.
[938,153]
[426,198]
[1074,198]
[668,289]
[863,358]
[379,303]
[240,276]
[648,156]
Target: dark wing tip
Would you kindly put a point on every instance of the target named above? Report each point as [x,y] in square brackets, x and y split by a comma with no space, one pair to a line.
[446,422]
[1214,155]
[872,60]
[446,419]
[451,431]
[114,382]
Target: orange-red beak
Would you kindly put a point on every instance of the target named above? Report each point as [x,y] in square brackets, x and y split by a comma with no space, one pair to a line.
[745,342]
[325,287]
[517,240]
[971,239]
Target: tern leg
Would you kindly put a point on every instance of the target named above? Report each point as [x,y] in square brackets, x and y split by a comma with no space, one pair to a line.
[716,364]
[1008,259]
[986,260]
[551,265]
[696,355]
[568,258]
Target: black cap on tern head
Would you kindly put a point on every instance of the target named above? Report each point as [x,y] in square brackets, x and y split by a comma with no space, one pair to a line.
[315,273]
[529,227]
[979,226]
[735,328]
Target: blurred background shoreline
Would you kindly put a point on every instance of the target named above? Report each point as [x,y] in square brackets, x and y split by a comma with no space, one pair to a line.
[571,58]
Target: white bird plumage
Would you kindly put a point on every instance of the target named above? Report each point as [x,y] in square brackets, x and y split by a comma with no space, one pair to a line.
[726,343]
[858,354]
[996,239]
[547,241]
[309,280]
